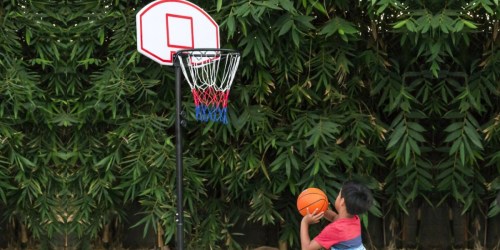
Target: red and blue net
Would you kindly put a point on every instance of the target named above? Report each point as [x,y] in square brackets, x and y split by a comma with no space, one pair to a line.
[210,73]
[210,105]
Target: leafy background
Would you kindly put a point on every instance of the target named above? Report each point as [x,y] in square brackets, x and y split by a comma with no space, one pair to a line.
[402,95]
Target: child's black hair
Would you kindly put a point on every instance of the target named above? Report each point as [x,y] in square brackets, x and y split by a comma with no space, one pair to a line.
[358,198]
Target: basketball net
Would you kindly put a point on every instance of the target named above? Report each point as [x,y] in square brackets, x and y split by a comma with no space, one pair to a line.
[210,74]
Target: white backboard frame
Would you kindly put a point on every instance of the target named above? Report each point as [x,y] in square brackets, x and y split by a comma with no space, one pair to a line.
[166,26]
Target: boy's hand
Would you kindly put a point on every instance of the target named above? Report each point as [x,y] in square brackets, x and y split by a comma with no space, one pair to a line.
[312,218]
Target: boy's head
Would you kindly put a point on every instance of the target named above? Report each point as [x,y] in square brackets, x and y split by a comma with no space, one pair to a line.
[357,198]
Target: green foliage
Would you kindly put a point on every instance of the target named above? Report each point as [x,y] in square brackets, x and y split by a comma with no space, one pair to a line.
[402,95]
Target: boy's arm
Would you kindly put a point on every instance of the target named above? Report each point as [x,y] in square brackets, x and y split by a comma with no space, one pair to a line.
[330,215]
[305,241]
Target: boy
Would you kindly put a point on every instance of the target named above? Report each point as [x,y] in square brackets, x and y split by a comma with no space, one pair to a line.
[345,230]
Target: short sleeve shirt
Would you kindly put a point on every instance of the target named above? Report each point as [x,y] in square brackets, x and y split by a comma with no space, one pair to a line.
[343,233]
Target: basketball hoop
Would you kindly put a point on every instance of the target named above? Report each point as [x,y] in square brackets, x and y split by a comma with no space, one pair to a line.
[210,74]
[163,28]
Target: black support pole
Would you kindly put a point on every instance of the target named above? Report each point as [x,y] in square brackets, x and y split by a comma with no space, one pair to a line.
[179,170]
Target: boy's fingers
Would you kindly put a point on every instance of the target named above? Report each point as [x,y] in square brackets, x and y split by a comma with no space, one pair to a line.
[313,213]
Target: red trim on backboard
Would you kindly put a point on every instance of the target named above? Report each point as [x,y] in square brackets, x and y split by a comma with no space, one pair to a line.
[180,46]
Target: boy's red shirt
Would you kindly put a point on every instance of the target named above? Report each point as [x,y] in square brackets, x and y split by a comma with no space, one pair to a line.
[341,233]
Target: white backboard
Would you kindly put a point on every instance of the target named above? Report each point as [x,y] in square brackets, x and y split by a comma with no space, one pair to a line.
[166,26]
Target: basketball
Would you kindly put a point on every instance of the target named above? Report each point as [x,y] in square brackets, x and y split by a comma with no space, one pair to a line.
[312,198]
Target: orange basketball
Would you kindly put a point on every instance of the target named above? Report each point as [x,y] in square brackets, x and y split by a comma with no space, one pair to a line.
[312,198]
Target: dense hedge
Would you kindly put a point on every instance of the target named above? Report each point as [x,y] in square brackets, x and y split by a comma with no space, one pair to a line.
[402,95]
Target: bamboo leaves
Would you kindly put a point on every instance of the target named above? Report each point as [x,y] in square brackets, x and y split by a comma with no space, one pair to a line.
[466,140]
[400,94]
[405,138]
[340,26]
[412,174]
[323,130]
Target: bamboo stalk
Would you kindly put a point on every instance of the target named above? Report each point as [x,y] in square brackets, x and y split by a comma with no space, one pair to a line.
[160,236]
[105,234]
[283,245]
[24,234]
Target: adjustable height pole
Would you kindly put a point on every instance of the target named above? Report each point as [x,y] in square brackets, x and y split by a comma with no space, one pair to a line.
[180,211]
